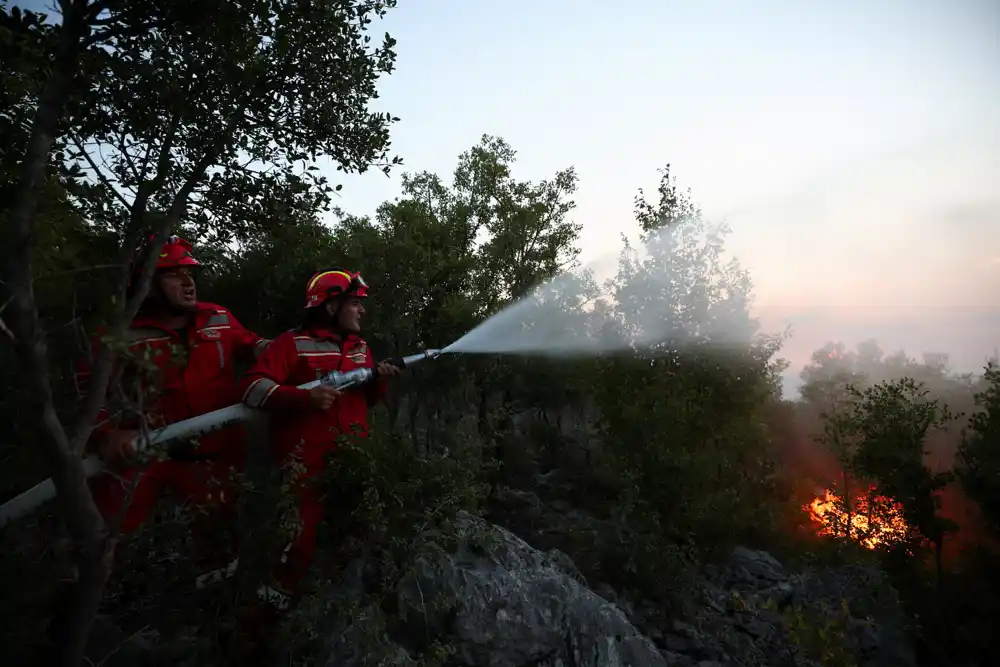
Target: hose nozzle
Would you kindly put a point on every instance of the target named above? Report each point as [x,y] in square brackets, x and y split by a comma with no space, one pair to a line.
[404,362]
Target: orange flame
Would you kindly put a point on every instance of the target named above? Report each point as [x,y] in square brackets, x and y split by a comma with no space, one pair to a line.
[875,520]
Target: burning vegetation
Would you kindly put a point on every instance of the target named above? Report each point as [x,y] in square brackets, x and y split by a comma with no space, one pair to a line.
[870,519]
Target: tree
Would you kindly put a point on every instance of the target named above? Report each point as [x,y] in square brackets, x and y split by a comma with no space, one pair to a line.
[439,258]
[979,452]
[682,292]
[838,436]
[528,237]
[195,115]
[892,422]
[681,414]
[832,368]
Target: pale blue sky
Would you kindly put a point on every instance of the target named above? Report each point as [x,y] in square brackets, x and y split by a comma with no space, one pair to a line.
[853,147]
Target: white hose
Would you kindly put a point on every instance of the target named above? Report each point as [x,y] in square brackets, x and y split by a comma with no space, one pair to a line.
[187,429]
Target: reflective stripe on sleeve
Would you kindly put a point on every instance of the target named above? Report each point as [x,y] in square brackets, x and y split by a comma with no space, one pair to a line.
[259,391]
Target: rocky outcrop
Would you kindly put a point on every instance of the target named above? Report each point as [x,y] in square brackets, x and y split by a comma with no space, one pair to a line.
[473,594]
[755,612]
[490,600]
[484,598]
[749,610]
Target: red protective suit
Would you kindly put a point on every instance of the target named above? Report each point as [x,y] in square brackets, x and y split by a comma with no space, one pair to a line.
[195,373]
[294,358]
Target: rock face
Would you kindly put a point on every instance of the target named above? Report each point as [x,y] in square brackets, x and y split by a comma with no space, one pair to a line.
[493,601]
[749,610]
[476,595]
[756,613]
[488,599]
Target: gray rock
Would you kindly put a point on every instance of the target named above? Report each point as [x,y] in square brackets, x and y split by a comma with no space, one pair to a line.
[743,618]
[756,565]
[491,599]
[357,637]
[565,564]
[676,643]
[677,659]
[496,601]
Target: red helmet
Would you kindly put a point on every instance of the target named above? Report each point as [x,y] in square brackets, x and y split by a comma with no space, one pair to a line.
[176,252]
[328,284]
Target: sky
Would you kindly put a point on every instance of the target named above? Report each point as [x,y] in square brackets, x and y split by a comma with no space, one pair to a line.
[852,147]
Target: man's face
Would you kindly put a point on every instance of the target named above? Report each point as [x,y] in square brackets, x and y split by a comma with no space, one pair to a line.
[178,288]
[349,318]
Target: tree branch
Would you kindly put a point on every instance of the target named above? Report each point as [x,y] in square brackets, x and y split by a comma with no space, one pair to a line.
[119,32]
[129,162]
[103,365]
[99,173]
[95,9]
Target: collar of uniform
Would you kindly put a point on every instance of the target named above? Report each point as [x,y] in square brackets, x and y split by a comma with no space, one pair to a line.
[330,334]
[202,311]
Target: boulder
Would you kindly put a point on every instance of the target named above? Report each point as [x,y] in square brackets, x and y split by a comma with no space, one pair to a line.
[490,600]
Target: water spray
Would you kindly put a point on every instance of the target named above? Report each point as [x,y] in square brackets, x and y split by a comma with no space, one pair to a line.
[197,427]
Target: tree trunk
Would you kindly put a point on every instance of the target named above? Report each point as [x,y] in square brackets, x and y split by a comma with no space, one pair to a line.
[392,406]
[482,413]
[414,412]
[92,546]
[76,607]
[848,507]
[871,513]
[939,562]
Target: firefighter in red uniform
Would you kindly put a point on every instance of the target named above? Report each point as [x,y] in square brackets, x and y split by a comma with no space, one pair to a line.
[306,423]
[190,350]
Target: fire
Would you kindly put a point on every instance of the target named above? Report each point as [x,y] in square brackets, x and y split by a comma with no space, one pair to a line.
[875,520]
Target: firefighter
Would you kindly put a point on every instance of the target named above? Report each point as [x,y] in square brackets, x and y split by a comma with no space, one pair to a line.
[305,424]
[182,355]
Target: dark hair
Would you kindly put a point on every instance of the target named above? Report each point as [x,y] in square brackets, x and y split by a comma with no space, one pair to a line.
[314,317]
[319,316]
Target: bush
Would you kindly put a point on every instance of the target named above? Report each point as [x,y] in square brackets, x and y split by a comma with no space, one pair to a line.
[381,495]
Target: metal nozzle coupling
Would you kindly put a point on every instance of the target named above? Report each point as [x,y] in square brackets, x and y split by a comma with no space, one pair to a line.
[420,356]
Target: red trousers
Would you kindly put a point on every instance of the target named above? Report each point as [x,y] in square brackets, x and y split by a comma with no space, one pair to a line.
[301,551]
[199,483]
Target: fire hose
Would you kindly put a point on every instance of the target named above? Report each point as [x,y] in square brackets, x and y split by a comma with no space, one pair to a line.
[196,427]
